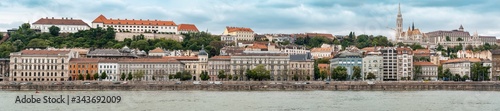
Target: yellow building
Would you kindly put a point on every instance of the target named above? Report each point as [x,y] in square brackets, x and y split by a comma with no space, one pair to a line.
[241,33]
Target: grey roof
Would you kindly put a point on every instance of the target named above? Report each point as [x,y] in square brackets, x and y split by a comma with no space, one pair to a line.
[301,57]
[108,52]
[345,54]
[495,52]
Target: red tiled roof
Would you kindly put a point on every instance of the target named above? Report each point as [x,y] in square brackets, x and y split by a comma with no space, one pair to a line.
[462,60]
[84,60]
[323,65]
[326,49]
[102,19]
[160,60]
[424,64]
[330,36]
[187,27]
[63,21]
[238,29]
[221,57]
[183,57]
[44,52]
[156,50]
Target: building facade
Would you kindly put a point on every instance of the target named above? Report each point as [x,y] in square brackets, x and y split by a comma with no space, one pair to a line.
[405,63]
[136,26]
[278,64]
[460,66]
[454,38]
[323,52]
[390,63]
[110,67]
[187,28]
[83,66]
[4,68]
[66,25]
[495,66]
[217,64]
[373,63]
[301,65]
[429,71]
[241,33]
[40,65]
[154,69]
[348,60]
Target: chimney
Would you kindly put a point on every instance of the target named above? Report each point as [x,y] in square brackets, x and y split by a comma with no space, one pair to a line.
[46,17]
[71,18]
[52,17]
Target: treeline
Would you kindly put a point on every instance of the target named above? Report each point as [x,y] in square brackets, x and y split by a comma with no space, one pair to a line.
[25,37]
[360,41]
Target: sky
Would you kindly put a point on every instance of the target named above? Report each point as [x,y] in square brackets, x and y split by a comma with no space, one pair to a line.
[338,17]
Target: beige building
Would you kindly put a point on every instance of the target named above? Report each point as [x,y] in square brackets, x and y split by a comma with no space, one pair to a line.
[325,52]
[302,65]
[194,64]
[40,65]
[241,33]
[405,63]
[429,71]
[160,68]
[460,66]
[470,54]
[278,64]
[216,64]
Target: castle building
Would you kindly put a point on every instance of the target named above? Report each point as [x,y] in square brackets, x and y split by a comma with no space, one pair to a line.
[66,25]
[136,26]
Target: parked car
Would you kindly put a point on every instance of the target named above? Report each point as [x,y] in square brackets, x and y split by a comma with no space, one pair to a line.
[178,82]
[124,82]
[196,82]
[218,82]
[211,82]
[23,83]
[86,83]
[12,83]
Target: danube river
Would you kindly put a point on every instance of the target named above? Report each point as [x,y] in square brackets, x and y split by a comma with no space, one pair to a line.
[264,100]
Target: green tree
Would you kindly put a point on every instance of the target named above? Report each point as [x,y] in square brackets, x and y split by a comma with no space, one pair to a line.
[417,71]
[96,76]
[339,73]
[80,77]
[138,75]
[460,39]
[230,77]
[204,76]
[295,77]
[357,73]
[370,76]
[447,74]
[323,75]
[448,38]
[54,30]
[103,75]
[87,76]
[129,77]
[123,76]
[440,72]
[221,75]
[38,43]
[183,76]
[259,73]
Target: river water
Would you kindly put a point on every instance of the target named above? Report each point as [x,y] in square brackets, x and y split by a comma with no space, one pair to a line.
[265,100]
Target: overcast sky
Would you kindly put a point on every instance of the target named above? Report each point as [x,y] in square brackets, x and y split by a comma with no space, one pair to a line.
[338,17]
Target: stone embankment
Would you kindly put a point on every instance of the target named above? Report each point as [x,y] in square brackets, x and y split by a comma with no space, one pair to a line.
[252,86]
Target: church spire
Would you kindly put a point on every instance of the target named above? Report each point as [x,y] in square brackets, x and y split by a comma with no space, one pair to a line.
[412,26]
[399,9]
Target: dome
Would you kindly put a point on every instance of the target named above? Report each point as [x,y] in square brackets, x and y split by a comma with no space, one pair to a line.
[126,49]
[202,51]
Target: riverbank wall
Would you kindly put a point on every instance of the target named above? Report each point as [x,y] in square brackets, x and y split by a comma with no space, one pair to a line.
[258,86]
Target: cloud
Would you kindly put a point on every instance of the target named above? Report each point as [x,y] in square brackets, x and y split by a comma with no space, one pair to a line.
[338,17]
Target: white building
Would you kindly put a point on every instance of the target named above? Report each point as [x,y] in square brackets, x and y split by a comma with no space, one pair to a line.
[110,67]
[372,63]
[40,65]
[136,26]
[66,25]
[321,52]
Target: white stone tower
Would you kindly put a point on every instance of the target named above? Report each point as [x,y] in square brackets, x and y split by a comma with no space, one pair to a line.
[399,24]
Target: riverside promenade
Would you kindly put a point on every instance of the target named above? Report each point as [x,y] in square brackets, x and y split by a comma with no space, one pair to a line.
[252,86]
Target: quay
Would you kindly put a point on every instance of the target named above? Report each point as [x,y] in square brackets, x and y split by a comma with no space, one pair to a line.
[255,86]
